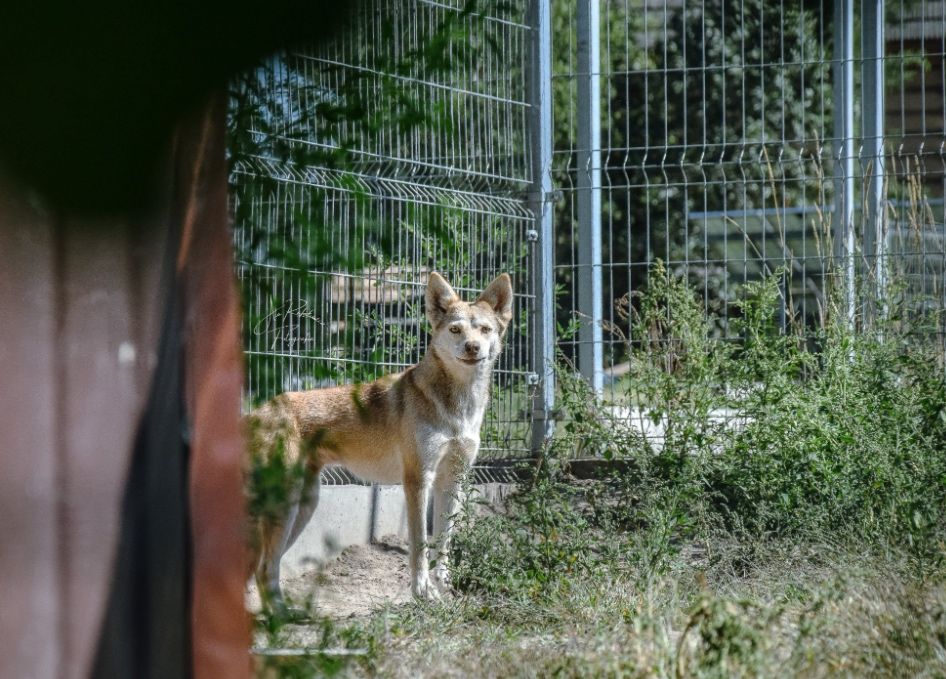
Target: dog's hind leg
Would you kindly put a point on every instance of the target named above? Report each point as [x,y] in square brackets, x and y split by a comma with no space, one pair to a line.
[306,507]
[277,540]
[267,572]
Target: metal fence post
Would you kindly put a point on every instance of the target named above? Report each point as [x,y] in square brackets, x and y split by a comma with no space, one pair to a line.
[590,347]
[843,228]
[874,246]
[543,279]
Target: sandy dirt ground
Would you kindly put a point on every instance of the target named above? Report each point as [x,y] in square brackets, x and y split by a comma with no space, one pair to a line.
[358,581]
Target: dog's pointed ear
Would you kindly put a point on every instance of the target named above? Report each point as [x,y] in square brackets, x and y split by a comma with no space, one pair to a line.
[498,295]
[438,299]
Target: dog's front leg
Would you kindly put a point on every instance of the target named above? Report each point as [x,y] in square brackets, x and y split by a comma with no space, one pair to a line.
[417,494]
[447,496]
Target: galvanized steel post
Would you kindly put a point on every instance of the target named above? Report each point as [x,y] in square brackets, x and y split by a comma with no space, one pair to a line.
[872,41]
[843,227]
[590,347]
[543,237]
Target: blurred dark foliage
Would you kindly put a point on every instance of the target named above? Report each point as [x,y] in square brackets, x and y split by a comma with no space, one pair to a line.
[92,91]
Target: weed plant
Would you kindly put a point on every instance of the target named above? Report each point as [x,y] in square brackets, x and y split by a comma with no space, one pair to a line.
[775,436]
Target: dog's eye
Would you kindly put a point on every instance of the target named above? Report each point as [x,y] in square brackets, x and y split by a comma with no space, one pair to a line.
[455,330]
[486,330]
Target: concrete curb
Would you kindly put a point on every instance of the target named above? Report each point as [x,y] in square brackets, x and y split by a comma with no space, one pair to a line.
[359,515]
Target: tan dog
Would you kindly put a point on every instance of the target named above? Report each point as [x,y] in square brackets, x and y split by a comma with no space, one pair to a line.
[420,427]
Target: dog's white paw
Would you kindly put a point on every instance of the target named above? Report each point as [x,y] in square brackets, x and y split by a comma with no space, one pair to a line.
[441,577]
[423,588]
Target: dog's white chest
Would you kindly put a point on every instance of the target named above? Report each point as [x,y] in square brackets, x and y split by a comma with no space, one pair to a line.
[462,440]
[465,436]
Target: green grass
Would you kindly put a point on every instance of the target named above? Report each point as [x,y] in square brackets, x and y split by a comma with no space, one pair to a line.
[718,610]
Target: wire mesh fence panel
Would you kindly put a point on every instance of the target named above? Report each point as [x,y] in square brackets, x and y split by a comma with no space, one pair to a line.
[912,178]
[715,121]
[747,139]
[361,166]
[739,142]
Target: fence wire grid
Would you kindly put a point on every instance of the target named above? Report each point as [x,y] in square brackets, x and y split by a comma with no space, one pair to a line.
[363,166]
[728,140]
[721,152]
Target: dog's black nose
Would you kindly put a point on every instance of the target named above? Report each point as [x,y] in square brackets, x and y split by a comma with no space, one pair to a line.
[472,347]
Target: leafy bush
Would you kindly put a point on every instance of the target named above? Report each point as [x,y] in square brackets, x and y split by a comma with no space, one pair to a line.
[838,436]
[538,545]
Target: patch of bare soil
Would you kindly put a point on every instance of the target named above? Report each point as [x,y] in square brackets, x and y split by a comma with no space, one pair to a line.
[361,579]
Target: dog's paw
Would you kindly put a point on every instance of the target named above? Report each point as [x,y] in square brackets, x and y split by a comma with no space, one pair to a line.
[441,577]
[423,588]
